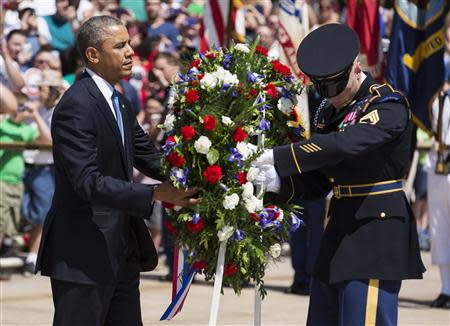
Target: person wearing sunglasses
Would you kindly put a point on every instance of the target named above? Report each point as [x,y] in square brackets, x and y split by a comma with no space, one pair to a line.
[360,152]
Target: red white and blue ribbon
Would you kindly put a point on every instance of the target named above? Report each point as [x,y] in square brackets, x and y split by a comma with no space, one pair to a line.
[181,284]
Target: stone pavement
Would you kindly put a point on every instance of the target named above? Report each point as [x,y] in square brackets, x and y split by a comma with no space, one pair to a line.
[27,301]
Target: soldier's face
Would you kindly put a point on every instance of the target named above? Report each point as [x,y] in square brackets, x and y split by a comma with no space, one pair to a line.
[343,98]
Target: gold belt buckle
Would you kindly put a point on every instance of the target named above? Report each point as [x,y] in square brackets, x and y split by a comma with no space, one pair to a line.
[337,191]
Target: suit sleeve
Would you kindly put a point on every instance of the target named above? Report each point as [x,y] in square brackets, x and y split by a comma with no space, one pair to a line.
[378,126]
[75,151]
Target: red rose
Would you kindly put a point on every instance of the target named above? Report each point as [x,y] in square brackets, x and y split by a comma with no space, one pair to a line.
[242,177]
[200,264]
[167,205]
[252,92]
[176,159]
[200,77]
[187,132]
[195,63]
[209,122]
[281,68]
[271,90]
[212,174]
[229,269]
[210,55]
[262,50]
[254,217]
[194,228]
[169,227]
[239,135]
[191,96]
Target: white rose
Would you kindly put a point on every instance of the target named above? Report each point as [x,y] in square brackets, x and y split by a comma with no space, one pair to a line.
[274,53]
[252,174]
[242,47]
[275,250]
[281,216]
[254,204]
[285,105]
[230,202]
[202,145]
[168,123]
[243,149]
[227,121]
[225,233]
[209,80]
[172,99]
[248,191]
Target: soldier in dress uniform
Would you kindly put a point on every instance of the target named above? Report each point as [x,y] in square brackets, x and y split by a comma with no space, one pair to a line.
[360,152]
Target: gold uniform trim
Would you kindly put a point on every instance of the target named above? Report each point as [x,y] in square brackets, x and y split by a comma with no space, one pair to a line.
[370,118]
[372,302]
[295,158]
[310,148]
[293,190]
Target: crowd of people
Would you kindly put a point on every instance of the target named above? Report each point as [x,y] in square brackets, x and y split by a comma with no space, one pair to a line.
[39,61]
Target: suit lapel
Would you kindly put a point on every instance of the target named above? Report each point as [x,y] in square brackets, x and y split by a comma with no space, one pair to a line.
[111,121]
[128,129]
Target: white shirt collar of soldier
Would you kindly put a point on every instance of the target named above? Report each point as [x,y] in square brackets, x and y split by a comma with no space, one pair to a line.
[105,88]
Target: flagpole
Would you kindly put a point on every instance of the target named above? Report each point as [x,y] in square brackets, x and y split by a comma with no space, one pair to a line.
[229,29]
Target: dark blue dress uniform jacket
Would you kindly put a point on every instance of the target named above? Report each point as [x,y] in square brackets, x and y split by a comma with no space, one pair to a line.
[366,142]
[95,229]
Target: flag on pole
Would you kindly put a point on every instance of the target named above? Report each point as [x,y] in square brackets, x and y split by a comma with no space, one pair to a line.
[416,54]
[364,18]
[294,26]
[222,20]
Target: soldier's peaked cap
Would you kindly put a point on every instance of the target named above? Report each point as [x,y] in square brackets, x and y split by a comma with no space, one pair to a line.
[328,50]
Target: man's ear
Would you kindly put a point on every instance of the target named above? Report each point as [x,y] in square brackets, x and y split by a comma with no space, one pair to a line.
[92,55]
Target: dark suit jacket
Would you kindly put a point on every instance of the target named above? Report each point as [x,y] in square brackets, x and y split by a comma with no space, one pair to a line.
[95,226]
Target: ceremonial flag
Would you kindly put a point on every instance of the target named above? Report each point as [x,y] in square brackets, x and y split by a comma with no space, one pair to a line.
[294,26]
[364,18]
[220,25]
[415,58]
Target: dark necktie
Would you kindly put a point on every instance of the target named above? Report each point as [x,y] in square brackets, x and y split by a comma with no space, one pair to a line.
[116,106]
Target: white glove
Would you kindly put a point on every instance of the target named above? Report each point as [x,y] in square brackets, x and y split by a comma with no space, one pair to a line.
[268,179]
[266,158]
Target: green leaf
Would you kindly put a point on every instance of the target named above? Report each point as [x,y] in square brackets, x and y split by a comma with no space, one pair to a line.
[212,156]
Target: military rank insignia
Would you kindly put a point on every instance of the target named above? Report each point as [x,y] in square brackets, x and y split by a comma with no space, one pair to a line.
[370,118]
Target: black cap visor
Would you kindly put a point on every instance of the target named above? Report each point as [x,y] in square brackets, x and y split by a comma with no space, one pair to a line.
[332,86]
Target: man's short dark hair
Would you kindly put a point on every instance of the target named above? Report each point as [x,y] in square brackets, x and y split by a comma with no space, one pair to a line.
[14,32]
[93,32]
[170,58]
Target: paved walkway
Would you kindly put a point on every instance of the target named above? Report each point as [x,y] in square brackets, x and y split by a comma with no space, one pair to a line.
[27,301]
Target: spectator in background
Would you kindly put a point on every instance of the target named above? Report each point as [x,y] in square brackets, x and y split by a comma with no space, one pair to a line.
[190,32]
[15,43]
[39,177]
[149,118]
[329,12]
[62,25]
[10,74]
[130,93]
[8,102]
[156,25]
[164,71]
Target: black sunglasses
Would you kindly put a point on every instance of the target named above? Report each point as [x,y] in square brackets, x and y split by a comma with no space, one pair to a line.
[330,87]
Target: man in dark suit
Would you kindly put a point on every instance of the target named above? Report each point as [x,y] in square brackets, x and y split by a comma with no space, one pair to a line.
[94,241]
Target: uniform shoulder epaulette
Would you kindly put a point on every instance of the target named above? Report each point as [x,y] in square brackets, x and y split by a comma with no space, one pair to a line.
[384,93]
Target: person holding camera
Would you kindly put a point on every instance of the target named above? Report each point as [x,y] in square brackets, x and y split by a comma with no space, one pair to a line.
[39,179]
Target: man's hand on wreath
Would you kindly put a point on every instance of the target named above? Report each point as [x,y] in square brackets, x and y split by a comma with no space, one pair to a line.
[166,192]
[266,158]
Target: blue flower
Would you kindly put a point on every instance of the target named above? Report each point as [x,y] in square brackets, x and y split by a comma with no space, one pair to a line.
[234,155]
[234,93]
[225,88]
[168,147]
[227,58]
[223,187]
[251,78]
[195,217]
[264,107]
[264,125]
[285,93]
[295,223]
[238,235]
[179,176]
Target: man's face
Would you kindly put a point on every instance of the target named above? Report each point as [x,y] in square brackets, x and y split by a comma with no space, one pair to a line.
[169,71]
[266,36]
[61,7]
[114,57]
[15,45]
[43,60]
[152,7]
[350,90]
